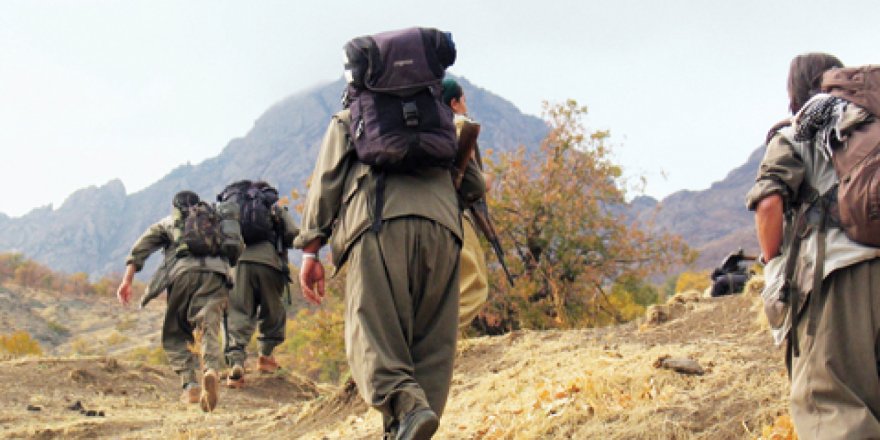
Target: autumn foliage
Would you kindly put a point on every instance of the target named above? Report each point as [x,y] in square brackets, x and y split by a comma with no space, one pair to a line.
[19,343]
[577,259]
[16,269]
[698,281]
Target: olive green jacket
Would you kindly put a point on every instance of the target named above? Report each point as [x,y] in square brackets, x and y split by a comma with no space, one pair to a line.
[265,252]
[339,205]
[785,166]
[160,236]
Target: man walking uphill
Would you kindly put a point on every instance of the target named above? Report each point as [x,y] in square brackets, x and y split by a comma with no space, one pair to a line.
[261,277]
[832,276]
[473,273]
[197,282]
[399,230]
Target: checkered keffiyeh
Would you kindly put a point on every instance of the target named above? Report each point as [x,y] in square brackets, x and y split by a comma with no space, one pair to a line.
[818,114]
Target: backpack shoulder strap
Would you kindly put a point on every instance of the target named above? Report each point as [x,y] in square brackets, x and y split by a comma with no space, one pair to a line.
[775,129]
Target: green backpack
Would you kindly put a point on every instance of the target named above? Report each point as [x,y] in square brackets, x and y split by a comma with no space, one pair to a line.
[201,231]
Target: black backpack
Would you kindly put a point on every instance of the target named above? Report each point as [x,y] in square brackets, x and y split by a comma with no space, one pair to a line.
[398,118]
[256,201]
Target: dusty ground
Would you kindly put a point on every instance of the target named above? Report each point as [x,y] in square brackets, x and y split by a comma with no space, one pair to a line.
[584,384]
[84,325]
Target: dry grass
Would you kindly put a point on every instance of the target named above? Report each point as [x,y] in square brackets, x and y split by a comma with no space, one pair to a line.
[602,383]
[594,383]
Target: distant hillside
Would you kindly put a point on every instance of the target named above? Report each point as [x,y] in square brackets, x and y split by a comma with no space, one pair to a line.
[94,228]
[713,221]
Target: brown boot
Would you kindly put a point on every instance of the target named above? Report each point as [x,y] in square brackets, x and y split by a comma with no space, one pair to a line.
[267,364]
[236,377]
[208,398]
[190,395]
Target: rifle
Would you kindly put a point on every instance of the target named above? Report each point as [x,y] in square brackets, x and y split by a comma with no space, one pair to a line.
[467,148]
[480,213]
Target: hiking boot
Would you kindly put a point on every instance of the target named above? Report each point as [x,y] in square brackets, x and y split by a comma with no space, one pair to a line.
[208,398]
[267,364]
[418,424]
[190,394]
[236,377]
[390,432]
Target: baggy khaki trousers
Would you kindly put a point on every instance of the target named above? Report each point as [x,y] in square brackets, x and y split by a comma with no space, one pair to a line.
[255,298]
[195,303]
[835,389]
[401,315]
[473,276]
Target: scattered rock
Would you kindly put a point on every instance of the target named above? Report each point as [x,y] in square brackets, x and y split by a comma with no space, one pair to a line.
[78,406]
[685,297]
[111,364]
[34,408]
[657,314]
[679,365]
[79,375]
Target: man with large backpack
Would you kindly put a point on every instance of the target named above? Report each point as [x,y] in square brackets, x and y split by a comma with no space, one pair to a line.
[195,272]
[823,277]
[261,276]
[382,195]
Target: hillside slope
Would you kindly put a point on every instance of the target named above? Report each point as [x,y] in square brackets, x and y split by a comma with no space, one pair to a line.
[594,383]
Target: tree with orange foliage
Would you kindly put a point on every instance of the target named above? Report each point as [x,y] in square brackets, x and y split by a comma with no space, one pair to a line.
[34,275]
[8,263]
[559,215]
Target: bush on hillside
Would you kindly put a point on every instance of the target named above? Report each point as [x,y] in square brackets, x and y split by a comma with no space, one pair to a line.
[149,355]
[575,254]
[314,345]
[24,272]
[693,281]
[20,343]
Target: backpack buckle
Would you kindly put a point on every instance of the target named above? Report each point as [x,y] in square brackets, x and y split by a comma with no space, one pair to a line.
[411,113]
[359,131]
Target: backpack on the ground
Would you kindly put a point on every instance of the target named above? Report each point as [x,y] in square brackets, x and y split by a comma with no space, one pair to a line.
[255,202]
[398,118]
[857,159]
[199,231]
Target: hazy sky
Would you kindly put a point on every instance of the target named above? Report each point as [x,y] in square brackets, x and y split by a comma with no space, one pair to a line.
[96,90]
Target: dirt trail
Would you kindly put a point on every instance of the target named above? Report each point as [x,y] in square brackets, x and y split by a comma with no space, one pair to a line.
[138,401]
[595,383]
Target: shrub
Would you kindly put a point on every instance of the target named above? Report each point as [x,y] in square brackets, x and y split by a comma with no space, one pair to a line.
[20,343]
[147,355]
[58,328]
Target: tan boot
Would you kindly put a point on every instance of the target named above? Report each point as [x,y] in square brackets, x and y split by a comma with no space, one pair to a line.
[208,398]
[190,395]
[236,377]
[267,364]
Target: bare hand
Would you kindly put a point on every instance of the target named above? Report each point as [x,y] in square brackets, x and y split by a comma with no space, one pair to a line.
[123,293]
[311,279]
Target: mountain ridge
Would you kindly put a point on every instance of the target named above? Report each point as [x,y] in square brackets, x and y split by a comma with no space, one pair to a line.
[95,226]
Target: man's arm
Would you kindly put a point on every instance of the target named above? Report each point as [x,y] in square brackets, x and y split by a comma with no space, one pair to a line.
[768,222]
[311,274]
[123,293]
[327,184]
[322,205]
[155,238]
[780,174]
